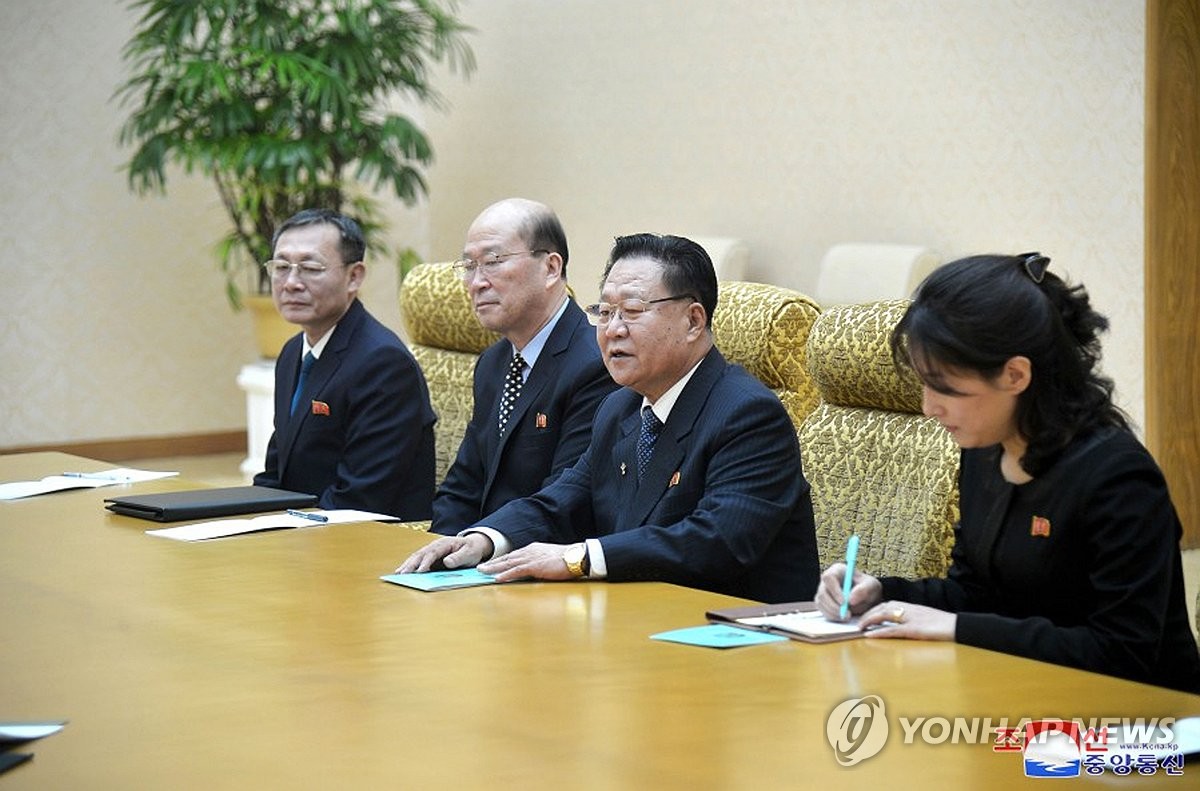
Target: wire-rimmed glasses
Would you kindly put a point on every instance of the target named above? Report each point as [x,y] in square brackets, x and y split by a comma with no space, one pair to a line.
[488,263]
[627,310]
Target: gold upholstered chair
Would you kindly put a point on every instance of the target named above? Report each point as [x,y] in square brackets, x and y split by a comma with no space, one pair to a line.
[877,466]
[764,328]
[446,339]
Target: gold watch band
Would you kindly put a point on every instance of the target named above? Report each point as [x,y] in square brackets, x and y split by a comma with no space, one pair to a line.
[576,558]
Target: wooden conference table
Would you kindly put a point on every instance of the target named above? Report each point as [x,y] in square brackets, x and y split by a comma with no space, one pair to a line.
[279,660]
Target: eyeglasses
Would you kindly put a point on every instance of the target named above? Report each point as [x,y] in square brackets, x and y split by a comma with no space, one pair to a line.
[489,263]
[1035,265]
[628,310]
[305,270]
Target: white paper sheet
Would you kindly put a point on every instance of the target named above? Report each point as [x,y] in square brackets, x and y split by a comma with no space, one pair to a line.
[15,490]
[220,528]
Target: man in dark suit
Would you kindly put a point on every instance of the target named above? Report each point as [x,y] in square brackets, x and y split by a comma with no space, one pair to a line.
[693,473]
[514,266]
[353,422]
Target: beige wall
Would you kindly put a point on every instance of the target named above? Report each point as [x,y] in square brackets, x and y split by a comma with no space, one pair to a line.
[994,125]
[114,320]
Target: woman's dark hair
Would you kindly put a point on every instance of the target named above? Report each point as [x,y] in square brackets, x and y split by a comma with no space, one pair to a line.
[974,314]
[686,267]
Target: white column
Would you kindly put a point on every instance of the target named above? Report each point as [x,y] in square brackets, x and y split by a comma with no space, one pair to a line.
[257,379]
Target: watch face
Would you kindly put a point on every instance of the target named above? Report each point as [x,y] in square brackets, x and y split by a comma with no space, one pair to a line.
[573,557]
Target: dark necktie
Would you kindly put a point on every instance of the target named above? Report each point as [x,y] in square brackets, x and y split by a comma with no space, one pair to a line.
[304,366]
[651,425]
[512,388]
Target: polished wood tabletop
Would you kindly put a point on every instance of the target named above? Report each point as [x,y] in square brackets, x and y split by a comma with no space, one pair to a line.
[280,660]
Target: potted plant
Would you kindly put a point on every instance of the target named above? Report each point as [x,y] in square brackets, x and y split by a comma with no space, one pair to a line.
[283,104]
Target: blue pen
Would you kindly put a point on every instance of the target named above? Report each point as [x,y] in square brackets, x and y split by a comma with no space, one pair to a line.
[306,515]
[848,581]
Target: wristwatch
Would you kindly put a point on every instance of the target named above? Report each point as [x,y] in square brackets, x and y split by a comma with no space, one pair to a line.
[576,558]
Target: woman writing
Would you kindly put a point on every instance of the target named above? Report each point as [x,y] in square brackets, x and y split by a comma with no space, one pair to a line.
[1067,549]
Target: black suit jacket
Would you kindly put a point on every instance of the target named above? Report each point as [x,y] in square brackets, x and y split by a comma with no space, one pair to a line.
[548,430]
[723,506]
[362,436]
[1079,566]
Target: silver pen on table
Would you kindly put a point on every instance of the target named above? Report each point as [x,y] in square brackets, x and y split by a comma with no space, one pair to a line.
[306,515]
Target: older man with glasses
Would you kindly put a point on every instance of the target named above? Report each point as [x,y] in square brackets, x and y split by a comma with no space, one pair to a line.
[537,389]
[353,421]
[693,473]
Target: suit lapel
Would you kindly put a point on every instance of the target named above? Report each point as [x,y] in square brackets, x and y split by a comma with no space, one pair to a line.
[624,459]
[285,424]
[671,447]
[543,373]
[492,441]
[998,498]
[318,377]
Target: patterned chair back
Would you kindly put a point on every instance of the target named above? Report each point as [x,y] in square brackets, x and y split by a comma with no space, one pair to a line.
[877,466]
[764,329]
[446,339]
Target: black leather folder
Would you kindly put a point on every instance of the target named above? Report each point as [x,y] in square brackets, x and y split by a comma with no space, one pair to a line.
[204,503]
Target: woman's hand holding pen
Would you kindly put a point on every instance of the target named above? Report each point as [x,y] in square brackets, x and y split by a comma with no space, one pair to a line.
[877,617]
[864,593]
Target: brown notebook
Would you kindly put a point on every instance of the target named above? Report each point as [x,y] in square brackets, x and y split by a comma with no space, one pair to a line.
[795,620]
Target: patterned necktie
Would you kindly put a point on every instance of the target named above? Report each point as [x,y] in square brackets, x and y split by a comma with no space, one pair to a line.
[512,388]
[651,425]
[304,366]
